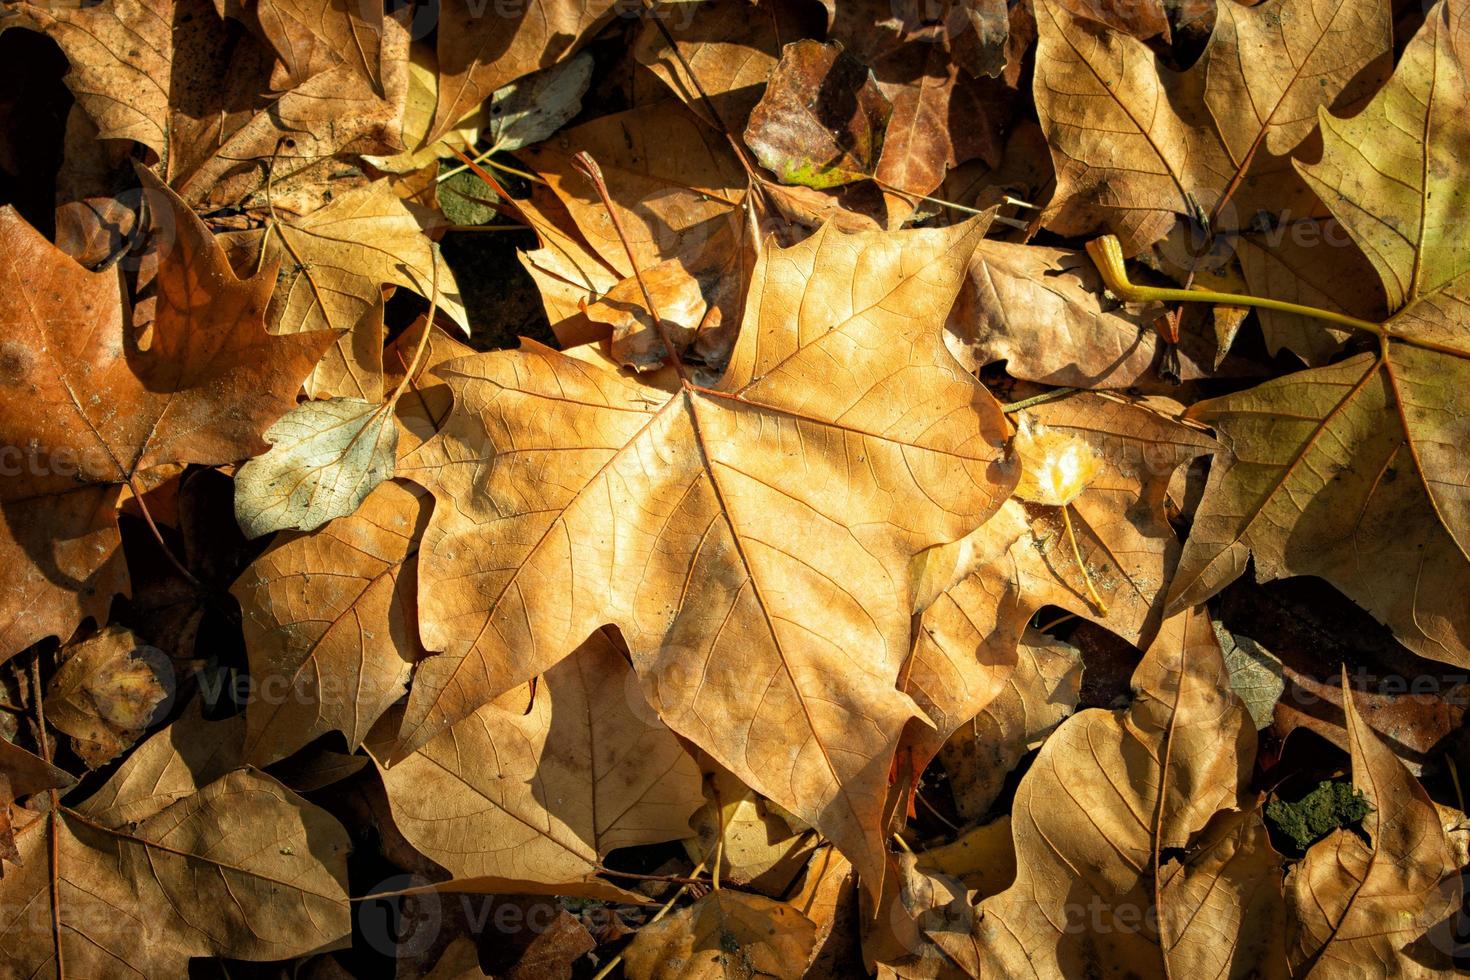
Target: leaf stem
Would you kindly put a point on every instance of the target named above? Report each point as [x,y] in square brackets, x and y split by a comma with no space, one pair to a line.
[418,353]
[588,167]
[1107,255]
[168,552]
[1045,396]
[1097,600]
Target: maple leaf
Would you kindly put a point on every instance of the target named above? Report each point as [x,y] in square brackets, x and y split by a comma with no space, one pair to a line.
[1095,818]
[313,36]
[240,867]
[1136,145]
[750,538]
[1353,472]
[1358,901]
[94,409]
[587,769]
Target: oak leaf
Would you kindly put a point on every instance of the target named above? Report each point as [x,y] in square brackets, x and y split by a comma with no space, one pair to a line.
[754,536]
[541,796]
[1354,472]
[1136,839]
[1354,901]
[209,380]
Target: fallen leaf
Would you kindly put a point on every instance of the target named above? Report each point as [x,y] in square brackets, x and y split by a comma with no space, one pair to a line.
[1136,839]
[714,484]
[727,935]
[532,109]
[1136,145]
[821,120]
[482,49]
[243,868]
[1139,18]
[22,774]
[983,857]
[312,36]
[1040,692]
[325,458]
[1353,900]
[757,848]
[1255,674]
[109,690]
[196,394]
[330,625]
[587,769]
[420,102]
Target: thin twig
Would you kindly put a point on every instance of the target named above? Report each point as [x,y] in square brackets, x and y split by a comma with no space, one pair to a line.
[1045,396]
[1102,607]
[158,536]
[52,817]
[612,964]
[418,353]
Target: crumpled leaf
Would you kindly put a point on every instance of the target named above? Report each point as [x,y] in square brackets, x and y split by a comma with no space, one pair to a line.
[1352,472]
[943,113]
[1353,901]
[821,120]
[1040,692]
[678,518]
[542,795]
[330,624]
[1121,807]
[243,868]
[325,458]
[109,689]
[531,109]
[196,394]
[482,49]
[1136,145]
[1041,311]
[727,935]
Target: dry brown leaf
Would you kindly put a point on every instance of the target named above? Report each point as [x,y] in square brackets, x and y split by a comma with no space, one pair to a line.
[22,774]
[732,47]
[1125,809]
[1139,18]
[332,265]
[673,181]
[1136,145]
[821,121]
[196,394]
[943,114]
[1039,693]
[989,584]
[828,896]
[109,689]
[757,848]
[1355,901]
[484,47]
[241,868]
[755,534]
[727,935]
[330,622]
[542,796]
[313,36]
[1041,311]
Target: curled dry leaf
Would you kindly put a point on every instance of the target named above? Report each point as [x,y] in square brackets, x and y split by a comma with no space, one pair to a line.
[109,689]
[758,533]
[209,381]
[330,625]
[240,867]
[1354,900]
[325,458]
[1353,472]
[514,796]
[821,120]
[1137,842]
[727,935]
